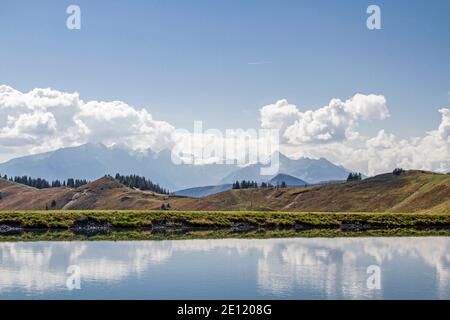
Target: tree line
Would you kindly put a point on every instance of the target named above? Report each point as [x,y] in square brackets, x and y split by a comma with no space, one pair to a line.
[354,176]
[40,183]
[141,183]
[132,181]
[248,184]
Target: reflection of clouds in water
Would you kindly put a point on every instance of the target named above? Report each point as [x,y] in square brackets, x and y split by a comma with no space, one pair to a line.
[434,252]
[334,268]
[42,266]
[28,266]
[320,265]
[299,265]
[330,264]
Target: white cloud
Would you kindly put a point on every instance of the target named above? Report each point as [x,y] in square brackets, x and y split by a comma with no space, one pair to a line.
[366,107]
[118,123]
[444,127]
[335,122]
[384,152]
[46,119]
[382,140]
[430,152]
[331,132]
[279,115]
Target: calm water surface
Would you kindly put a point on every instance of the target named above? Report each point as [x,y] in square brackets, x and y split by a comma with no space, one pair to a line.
[315,268]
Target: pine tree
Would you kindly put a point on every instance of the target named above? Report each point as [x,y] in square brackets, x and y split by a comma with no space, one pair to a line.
[71,183]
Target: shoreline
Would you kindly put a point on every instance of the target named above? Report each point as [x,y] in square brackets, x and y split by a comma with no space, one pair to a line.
[33,235]
[94,222]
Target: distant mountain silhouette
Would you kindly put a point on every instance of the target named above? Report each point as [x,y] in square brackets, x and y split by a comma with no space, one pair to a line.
[92,161]
[310,170]
[200,192]
[288,179]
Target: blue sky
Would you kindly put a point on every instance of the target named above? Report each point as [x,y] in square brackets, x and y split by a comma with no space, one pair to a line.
[221,61]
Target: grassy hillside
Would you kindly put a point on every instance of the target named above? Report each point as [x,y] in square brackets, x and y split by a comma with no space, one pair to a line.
[413,191]
[20,197]
[105,193]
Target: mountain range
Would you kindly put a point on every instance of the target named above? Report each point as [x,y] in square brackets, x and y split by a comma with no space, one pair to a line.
[311,171]
[92,161]
[204,191]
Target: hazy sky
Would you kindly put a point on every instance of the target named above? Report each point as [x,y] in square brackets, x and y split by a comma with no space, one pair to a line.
[222,61]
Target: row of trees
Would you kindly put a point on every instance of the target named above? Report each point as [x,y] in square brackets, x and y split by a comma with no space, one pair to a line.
[354,176]
[35,183]
[247,184]
[244,184]
[141,183]
[71,183]
[132,181]
[40,183]
[265,185]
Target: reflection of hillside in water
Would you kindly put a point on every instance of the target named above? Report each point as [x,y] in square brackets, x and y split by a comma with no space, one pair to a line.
[333,268]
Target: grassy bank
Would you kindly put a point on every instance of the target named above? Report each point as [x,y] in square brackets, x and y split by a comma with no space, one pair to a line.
[140,235]
[217,220]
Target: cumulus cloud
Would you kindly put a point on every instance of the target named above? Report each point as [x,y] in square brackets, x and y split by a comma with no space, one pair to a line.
[385,151]
[430,152]
[117,122]
[366,107]
[444,127]
[382,140]
[46,119]
[279,115]
[336,121]
[332,132]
